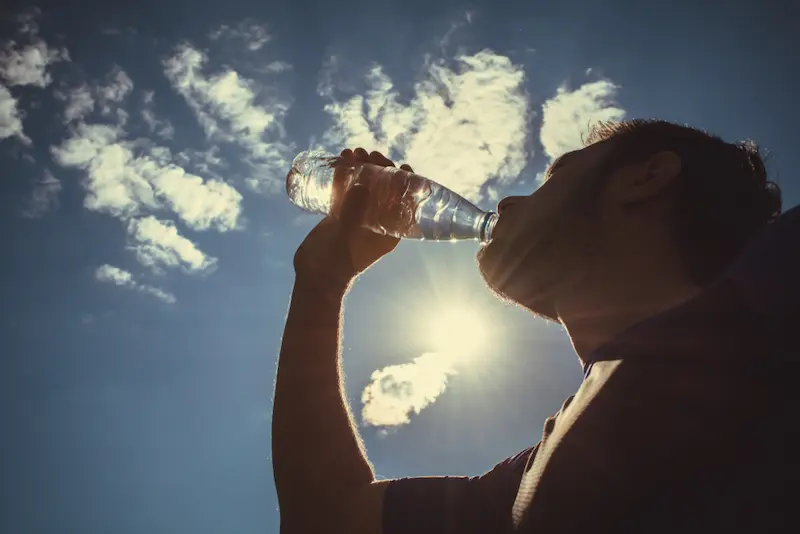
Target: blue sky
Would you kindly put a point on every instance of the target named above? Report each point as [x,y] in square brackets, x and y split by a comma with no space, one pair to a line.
[147,241]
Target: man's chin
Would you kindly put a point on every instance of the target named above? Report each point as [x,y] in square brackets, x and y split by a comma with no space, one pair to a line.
[515,286]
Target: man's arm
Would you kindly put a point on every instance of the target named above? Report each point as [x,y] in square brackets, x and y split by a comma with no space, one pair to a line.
[323,479]
[320,466]
[322,476]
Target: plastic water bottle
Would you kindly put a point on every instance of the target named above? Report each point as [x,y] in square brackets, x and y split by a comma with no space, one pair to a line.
[401,203]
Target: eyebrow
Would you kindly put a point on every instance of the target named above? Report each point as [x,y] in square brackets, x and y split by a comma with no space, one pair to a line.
[557,163]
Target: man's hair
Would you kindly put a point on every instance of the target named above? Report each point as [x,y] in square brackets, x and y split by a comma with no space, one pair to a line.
[723,198]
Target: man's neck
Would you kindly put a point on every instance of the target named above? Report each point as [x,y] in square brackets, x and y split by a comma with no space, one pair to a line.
[596,315]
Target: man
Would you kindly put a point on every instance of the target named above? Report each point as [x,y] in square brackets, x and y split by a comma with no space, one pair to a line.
[635,244]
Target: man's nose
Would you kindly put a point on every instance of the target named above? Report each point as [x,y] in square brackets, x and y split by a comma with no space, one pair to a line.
[506,203]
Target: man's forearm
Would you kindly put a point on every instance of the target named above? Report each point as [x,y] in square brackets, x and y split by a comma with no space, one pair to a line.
[317,454]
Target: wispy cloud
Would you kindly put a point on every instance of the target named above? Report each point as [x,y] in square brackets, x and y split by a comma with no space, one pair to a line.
[115,90]
[253,34]
[134,179]
[25,64]
[202,204]
[466,123]
[567,115]
[160,127]
[234,109]
[122,278]
[112,185]
[114,275]
[44,197]
[123,183]
[158,244]
[10,117]
[398,391]
[28,64]
[80,102]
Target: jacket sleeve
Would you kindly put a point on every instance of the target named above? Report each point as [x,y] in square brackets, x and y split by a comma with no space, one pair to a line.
[463,505]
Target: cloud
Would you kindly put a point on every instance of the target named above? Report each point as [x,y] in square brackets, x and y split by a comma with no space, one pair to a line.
[158,244]
[397,391]
[28,65]
[202,204]
[124,179]
[566,116]
[114,275]
[135,179]
[160,294]
[79,103]
[161,127]
[117,88]
[120,277]
[44,197]
[10,117]
[82,100]
[112,184]
[234,109]
[253,34]
[23,65]
[463,126]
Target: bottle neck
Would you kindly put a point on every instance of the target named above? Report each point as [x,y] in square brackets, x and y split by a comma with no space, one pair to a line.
[487,226]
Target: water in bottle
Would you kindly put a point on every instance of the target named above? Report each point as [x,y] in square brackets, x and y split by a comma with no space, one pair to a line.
[401,203]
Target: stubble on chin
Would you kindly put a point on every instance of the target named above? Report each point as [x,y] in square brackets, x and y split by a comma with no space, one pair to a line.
[520,277]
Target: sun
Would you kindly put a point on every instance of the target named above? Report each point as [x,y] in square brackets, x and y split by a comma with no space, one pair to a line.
[459,332]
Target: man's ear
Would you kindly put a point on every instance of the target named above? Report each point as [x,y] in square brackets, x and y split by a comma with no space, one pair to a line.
[652,177]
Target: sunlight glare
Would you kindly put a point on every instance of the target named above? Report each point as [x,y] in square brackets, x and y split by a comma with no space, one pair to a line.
[459,332]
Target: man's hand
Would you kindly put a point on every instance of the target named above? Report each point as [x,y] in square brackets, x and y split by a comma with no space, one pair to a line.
[336,251]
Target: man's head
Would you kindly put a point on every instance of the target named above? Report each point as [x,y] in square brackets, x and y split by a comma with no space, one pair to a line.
[642,199]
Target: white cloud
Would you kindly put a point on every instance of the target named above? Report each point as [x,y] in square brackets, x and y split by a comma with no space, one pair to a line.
[463,126]
[79,103]
[10,117]
[44,197]
[114,275]
[202,204]
[107,96]
[120,277]
[160,294]
[226,95]
[158,244]
[206,161]
[254,35]
[117,88]
[234,109]
[112,184]
[125,180]
[22,65]
[397,391]
[567,116]
[85,143]
[28,65]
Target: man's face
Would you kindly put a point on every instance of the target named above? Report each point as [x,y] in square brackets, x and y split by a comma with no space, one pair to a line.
[542,241]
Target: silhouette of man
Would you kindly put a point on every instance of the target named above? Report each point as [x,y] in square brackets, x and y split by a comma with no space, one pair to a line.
[662,251]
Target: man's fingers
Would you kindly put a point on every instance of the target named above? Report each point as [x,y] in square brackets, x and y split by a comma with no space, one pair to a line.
[361,154]
[379,159]
[373,157]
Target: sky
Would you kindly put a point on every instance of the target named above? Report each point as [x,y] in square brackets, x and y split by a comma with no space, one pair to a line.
[147,239]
